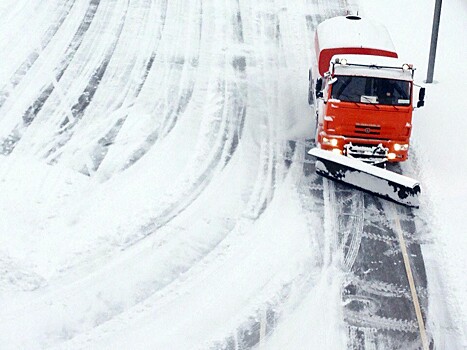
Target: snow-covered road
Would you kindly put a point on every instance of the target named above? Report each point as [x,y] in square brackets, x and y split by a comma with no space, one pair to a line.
[156,193]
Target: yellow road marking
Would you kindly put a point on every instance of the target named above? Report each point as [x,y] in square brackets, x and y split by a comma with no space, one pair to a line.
[408,269]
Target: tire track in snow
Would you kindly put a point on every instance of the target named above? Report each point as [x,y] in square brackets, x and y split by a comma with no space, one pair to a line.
[193,188]
[180,77]
[266,25]
[347,206]
[386,307]
[215,149]
[79,108]
[254,331]
[122,103]
[73,328]
[376,309]
[111,137]
[9,143]
[180,9]
[264,322]
[221,139]
[119,94]
[78,38]
[29,62]
[231,131]
[250,332]
[223,148]
[226,123]
[150,63]
[88,58]
[276,158]
[314,198]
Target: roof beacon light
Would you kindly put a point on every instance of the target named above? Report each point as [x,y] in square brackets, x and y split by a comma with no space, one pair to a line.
[405,66]
[344,61]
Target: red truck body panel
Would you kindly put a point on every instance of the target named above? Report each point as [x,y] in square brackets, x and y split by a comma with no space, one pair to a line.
[325,55]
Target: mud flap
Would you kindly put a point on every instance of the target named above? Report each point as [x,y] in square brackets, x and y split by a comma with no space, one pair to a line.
[381,182]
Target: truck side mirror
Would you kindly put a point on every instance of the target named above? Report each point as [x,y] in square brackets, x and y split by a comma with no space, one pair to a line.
[421,94]
[421,98]
[318,87]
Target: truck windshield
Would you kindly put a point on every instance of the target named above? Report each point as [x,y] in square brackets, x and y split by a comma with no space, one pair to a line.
[371,90]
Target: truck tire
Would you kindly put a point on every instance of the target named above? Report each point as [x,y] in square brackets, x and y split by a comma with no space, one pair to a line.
[315,133]
[310,88]
[310,97]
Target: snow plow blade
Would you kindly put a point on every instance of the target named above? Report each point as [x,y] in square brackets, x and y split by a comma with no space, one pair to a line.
[381,182]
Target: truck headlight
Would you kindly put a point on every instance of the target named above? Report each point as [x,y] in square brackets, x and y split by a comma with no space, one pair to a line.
[332,142]
[399,147]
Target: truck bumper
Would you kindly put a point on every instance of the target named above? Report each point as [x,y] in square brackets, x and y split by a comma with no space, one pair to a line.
[373,151]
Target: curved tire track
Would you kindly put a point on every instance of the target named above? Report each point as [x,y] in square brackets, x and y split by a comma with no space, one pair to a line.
[29,62]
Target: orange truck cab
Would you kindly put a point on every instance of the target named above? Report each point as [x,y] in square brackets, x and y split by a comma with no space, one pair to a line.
[362,93]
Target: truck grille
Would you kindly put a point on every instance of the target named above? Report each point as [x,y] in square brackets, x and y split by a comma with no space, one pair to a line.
[367,129]
[373,154]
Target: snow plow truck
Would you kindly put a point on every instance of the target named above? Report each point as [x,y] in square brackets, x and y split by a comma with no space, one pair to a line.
[362,95]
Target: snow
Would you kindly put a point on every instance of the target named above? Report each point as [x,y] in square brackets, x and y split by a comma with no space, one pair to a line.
[149,194]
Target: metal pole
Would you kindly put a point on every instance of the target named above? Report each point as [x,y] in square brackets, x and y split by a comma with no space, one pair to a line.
[434,42]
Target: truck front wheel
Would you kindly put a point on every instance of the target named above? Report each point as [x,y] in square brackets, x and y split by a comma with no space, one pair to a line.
[310,97]
[310,89]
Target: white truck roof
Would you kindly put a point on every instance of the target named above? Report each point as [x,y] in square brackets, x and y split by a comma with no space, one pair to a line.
[351,35]
[353,31]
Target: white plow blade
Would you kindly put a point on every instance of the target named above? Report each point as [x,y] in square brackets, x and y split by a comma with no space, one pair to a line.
[381,182]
